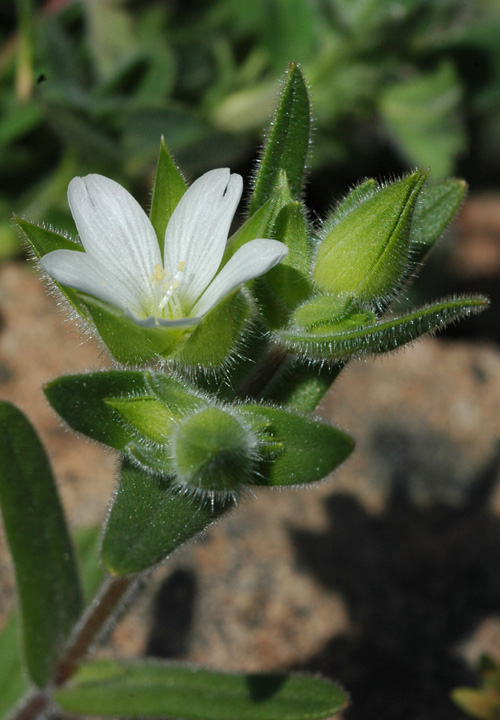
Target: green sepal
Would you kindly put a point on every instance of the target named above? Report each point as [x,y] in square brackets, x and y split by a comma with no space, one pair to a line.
[437,206]
[213,342]
[363,191]
[149,518]
[365,253]
[288,141]
[339,341]
[147,416]
[153,689]
[168,188]
[285,286]
[42,240]
[296,449]
[128,342]
[47,578]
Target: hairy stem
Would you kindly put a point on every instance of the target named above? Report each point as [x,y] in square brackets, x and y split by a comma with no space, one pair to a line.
[98,615]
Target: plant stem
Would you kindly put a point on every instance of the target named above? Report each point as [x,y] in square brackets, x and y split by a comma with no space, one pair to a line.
[96,618]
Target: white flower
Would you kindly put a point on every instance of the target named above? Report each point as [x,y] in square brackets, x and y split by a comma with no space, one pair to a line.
[122,263]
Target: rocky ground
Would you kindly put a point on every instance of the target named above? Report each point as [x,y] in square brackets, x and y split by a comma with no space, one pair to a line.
[385,577]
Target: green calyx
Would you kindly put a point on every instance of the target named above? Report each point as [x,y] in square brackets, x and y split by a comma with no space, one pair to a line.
[212,452]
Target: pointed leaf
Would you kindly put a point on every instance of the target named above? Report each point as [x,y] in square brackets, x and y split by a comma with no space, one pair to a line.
[168,188]
[46,574]
[342,342]
[300,449]
[438,204]
[147,689]
[149,519]
[288,141]
[124,409]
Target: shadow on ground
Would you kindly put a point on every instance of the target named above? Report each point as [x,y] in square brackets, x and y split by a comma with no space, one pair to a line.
[417,581]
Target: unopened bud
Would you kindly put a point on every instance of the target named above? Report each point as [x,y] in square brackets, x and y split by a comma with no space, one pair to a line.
[213,453]
[365,253]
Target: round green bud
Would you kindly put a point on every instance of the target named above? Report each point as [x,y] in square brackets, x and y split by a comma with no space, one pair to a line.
[213,452]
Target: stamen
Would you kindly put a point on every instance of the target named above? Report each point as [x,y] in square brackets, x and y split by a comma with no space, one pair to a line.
[161,277]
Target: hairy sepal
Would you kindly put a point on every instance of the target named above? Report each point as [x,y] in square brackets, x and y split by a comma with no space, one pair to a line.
[287,143]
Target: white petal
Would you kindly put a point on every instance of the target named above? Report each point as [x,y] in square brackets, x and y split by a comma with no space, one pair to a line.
[251,260]
[198,229]
[115,229]
[81,271]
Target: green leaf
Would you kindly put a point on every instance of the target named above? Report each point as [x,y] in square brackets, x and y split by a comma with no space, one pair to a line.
[343,342]
[300,449]
[422,114]
[118,407]
[437,206]
[168,188]
[13,681]
[149,519]
[147,689]
[288,141]
[46,574]
[365,253]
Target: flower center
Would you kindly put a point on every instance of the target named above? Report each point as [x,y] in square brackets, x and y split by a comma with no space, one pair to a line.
[168,303]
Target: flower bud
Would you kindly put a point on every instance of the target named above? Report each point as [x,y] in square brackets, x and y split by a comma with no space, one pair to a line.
[365,253]
[213,453]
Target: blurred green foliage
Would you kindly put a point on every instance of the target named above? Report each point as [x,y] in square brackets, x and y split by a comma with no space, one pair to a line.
[90,85]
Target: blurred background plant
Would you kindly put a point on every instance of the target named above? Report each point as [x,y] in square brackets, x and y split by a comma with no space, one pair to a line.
[90,85]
